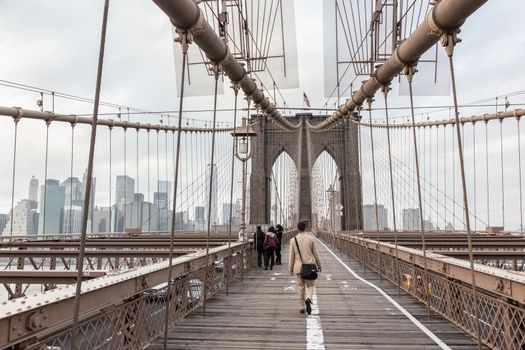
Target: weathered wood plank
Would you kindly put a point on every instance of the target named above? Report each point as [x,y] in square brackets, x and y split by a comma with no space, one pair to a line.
[263,313]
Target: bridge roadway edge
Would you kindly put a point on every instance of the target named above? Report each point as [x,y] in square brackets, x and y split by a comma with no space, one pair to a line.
[263,313]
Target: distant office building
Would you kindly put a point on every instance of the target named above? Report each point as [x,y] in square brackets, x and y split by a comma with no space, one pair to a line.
[428,225]
[4,218]
[411,219]
[24,216]
[199,213]
[72,220]
[181,220]
[72,191]
[125,187]
[138,214]
[33,189]
[91,198]
[369,217]
[199,222]
[51,209]
[160,199]
[165,187]
[226,208]
[214,193]
[101,220]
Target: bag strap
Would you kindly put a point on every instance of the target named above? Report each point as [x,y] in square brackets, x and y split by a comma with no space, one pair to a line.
[299,250]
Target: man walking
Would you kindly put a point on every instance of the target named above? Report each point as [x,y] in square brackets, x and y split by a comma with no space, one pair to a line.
[305,245]
[258,239]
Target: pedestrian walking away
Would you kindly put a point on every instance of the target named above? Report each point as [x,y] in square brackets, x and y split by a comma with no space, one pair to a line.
[270,243]
[303,251]
[279,233]
[258,238]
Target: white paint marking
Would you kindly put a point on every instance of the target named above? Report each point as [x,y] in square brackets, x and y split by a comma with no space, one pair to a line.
[286,288]
[425,330]
[314,331]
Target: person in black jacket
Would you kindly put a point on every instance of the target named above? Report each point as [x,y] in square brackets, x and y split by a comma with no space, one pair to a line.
[258,239]
[279,234]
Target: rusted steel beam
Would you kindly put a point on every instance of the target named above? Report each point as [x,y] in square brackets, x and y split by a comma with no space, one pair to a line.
[110,244]
[484,254]
[46,277]
[489,279]
[54,308]
[445,16]
[104,253]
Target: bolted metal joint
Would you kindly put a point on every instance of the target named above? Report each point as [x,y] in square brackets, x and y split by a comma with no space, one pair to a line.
[185,38]
[449,40]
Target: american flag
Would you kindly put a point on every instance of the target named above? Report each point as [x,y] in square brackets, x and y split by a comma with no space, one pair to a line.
[306,101]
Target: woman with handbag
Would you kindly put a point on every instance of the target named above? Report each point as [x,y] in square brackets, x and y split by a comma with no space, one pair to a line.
[304,262]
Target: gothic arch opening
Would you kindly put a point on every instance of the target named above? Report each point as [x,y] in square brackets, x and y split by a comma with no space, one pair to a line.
[283,191]
[326,193]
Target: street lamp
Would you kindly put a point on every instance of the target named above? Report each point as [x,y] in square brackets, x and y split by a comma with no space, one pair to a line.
[243,152]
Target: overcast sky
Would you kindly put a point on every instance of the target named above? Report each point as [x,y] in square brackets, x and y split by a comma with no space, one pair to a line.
[54,45]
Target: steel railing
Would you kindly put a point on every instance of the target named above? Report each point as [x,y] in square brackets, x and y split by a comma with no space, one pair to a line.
[502,319]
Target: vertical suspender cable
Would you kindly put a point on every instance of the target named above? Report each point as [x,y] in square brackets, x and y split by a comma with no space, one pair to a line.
[228,266]
[43,209]
[16,120]
[450,42]
[502,177]
[385,89]
[375,187]
[166,184]
[184,41]
[445,172]
[71,178]
[149,190]
[519,173]
[474,175]
[158,188]
[110,165]
[89,177]
[210,192]
[409,72]
[487,170]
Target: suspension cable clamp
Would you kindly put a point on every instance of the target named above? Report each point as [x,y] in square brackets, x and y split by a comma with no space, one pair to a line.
[74,121]
[516,115]
[50,117]
[19,115]
[111,123]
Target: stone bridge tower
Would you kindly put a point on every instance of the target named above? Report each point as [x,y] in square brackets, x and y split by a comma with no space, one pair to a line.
[304,147]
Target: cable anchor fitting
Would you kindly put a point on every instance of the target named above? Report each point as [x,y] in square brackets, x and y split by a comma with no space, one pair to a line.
[449,41]
[185,38]
[409,70]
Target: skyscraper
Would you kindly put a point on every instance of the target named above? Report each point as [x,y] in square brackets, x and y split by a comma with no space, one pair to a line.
[125,187]
[165,187]
[213,204]
[33,189]
[91,198]
[51,210]
[411,220]
[72,191]
[101,220]
[226,207]
[23,217]
[369,217]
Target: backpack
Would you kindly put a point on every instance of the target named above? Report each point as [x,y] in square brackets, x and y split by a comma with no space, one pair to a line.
[271,241]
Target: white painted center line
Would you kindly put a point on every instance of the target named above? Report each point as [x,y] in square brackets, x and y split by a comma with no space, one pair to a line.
[314,331]
[414,320]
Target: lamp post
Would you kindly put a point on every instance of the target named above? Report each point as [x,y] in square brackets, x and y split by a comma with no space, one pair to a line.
[243,152]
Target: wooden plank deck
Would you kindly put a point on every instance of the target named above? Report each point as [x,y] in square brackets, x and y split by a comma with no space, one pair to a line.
[263,313]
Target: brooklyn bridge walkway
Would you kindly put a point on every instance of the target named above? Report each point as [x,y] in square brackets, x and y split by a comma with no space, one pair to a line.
[350,312]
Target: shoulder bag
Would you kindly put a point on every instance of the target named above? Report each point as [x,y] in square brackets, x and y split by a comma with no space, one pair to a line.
[308,271]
